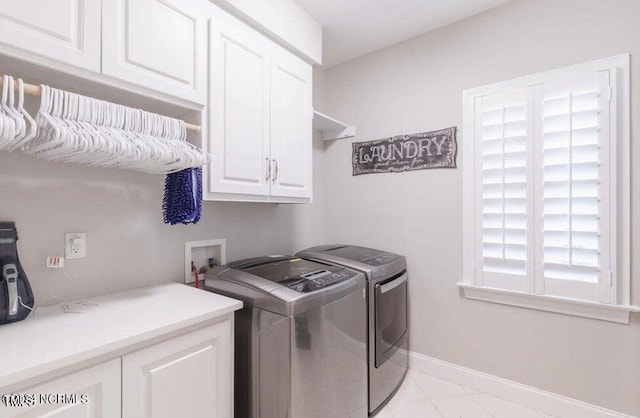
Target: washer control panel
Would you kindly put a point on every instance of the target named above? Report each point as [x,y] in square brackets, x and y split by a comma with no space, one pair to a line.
[319,279]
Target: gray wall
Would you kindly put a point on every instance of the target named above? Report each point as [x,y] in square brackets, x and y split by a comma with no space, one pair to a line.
[417,86]
[308,221]
[128,245]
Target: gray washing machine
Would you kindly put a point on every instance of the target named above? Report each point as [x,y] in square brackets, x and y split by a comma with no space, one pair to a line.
[387,324]
[300,339]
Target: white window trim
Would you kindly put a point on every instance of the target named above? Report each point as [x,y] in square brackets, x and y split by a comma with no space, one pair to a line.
[576,307]
[615,312]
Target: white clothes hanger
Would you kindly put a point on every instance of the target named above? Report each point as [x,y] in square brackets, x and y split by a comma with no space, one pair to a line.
[8,123]
[83,130]
[31,133]
[21,127]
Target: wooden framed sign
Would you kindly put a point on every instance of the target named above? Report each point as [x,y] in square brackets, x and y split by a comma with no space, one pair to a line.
[406,152]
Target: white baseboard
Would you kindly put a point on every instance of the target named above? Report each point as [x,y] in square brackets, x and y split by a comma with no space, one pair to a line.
[551,403]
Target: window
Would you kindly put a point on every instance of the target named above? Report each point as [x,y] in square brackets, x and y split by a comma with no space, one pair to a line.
[546,191]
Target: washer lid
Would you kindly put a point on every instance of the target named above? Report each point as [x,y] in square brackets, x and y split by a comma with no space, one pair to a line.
[288,269]
[284,285]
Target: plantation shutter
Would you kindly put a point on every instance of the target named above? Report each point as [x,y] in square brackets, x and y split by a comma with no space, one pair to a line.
[502,125]
[575,185]
[546,205]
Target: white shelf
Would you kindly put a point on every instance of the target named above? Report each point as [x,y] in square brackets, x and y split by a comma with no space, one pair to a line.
[331,128]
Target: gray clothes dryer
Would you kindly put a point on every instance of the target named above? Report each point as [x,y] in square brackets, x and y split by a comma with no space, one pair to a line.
[300,338]
[387,318]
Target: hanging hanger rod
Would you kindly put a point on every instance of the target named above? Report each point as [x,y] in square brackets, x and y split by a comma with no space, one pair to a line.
[33,90]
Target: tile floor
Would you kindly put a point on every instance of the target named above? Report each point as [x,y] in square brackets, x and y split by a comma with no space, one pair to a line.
[426,396]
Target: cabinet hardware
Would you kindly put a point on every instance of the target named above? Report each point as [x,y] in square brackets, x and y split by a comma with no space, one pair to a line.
[275,170]
[267,175]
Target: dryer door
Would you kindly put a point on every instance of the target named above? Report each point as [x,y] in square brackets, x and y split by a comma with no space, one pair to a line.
[390,316]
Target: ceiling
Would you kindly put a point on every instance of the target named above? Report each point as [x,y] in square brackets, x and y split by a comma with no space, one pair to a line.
[352,28]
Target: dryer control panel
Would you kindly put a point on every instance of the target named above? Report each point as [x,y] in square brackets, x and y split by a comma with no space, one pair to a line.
[381,259]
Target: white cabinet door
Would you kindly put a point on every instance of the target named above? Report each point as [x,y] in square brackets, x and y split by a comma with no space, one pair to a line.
[158,44]
[291,125]
[91,393]
[64,30]
[187,376]
[239,106]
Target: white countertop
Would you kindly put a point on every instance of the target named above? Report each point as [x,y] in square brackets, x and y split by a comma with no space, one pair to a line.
[51,340]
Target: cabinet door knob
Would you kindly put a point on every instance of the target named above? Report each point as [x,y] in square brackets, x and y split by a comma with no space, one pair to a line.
[275,170]
[267,175]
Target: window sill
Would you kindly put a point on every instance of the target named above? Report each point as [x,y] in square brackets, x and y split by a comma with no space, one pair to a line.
[604,312]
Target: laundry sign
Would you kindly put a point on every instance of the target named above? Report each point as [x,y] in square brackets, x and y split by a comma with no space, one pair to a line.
[406,152]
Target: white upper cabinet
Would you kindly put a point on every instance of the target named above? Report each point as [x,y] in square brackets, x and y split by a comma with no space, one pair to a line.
[257,94]
[285,20]
[291,124]
[158,44]
[239,98]
[260,117]
[64,30]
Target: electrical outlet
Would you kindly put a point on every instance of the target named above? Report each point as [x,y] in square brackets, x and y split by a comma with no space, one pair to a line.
[75,245]
[55,262]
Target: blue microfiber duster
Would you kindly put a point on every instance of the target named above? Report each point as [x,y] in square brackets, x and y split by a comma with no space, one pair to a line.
[183,197]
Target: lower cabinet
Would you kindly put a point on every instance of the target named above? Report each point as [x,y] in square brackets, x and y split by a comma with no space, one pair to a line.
[188,376]
[92,393]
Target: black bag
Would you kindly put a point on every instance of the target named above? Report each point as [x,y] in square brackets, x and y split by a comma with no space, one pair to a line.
[15,292]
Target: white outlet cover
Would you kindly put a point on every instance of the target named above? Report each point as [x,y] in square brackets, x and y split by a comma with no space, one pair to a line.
[55,262]
[75,245]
